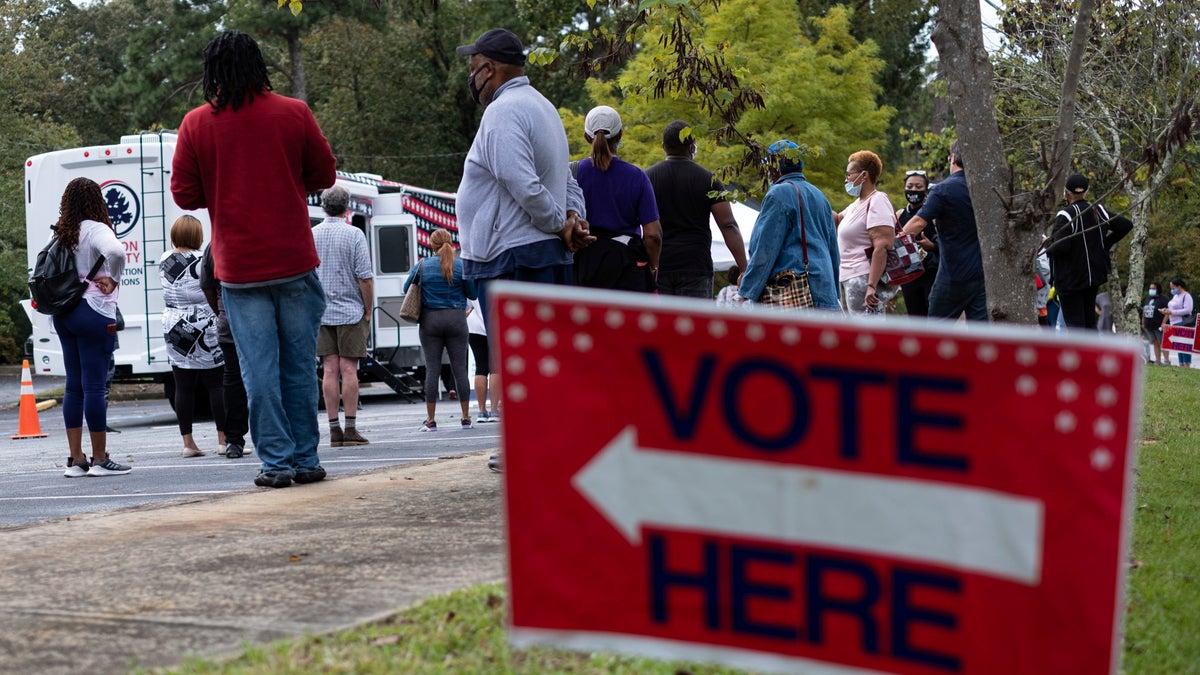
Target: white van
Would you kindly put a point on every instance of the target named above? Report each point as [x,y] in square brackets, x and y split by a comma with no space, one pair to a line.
[134,176]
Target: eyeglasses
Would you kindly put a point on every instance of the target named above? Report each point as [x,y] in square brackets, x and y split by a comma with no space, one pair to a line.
[917,172]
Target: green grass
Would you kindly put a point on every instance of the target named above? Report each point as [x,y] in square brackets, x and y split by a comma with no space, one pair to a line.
[458,633]
[1163,622]
[463,632]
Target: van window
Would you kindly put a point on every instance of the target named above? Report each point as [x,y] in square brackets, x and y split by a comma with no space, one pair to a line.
[393,244]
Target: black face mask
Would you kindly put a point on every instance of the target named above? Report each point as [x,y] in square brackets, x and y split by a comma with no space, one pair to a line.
[475,91]
[914,197]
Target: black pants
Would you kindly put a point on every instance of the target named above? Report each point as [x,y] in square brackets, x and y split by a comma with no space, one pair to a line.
[185,396]
[1079,307]
[611,264]
[237,411]
[916,293]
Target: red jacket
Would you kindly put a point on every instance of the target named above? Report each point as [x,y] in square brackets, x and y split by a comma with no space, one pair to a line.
[252,169]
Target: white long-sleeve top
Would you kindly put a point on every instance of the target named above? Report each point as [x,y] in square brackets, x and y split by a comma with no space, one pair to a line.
[96,239]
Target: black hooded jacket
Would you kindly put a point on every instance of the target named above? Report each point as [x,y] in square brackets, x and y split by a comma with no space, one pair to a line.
[1079,245]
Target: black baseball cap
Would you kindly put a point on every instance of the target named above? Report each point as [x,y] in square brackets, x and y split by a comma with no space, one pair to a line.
[1077,183]
[497,44]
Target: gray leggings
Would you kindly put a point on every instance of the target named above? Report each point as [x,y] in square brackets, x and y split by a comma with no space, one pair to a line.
[444,328]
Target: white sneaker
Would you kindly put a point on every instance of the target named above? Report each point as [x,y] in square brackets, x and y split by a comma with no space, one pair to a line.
[76,469]
[108,468]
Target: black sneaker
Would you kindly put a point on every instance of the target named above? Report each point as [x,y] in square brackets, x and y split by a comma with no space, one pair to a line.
[495,463]
[272,479]
[109,468]
[310,476]
[77,469]
[234,451]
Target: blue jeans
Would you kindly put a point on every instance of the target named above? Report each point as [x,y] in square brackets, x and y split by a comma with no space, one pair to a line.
[275,330]
[562,275]
[87,345]
[948,299]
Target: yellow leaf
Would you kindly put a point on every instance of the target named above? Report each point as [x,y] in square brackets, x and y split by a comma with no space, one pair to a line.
[296,6]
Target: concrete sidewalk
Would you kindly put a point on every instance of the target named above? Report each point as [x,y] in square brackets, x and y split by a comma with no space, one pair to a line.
[148,586]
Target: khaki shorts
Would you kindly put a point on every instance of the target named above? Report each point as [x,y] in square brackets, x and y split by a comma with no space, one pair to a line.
[349,341]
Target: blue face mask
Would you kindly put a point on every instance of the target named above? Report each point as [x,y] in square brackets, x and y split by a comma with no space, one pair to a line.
[1174,291]
[1153,292]
[852,189]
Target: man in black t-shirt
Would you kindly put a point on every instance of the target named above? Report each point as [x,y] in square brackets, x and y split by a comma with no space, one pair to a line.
[681,188]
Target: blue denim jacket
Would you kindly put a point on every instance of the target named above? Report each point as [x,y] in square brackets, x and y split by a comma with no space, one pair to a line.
[436,292]
[775,242]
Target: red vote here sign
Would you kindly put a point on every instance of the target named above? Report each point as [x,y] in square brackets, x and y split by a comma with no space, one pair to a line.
[798,492]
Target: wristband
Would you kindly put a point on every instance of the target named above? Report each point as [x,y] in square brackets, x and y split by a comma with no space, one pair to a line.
[871,286]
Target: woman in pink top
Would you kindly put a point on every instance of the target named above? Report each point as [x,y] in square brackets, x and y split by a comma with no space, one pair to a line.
[868,222]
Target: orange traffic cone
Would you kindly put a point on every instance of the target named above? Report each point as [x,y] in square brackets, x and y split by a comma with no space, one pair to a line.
[28,425]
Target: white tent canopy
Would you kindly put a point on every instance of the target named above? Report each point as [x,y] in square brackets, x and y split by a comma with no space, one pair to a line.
[721,256]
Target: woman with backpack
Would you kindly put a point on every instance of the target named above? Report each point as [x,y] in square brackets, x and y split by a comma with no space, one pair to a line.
[88,333]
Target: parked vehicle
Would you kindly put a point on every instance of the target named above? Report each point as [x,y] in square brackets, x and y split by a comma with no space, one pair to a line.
[134,176]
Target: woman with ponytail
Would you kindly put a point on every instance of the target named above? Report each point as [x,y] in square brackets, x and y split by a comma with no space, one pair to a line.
[443,323]
[621,210]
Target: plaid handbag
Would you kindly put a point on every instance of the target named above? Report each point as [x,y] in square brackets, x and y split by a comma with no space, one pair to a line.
[906,260]
[789,288]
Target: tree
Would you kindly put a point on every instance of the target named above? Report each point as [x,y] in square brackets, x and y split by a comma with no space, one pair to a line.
[158,76]
[1009,221]
[820,93]
[1137,103]
[900,28]
[26,129]
[264,20]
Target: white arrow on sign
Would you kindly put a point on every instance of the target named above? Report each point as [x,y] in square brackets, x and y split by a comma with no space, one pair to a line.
[967,528]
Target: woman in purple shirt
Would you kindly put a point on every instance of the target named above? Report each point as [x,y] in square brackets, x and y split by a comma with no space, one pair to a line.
[621,210]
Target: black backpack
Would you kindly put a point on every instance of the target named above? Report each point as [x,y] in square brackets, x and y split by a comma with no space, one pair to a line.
[54,283]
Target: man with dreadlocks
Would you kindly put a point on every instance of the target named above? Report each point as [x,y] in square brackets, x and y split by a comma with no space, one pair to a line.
[250,157]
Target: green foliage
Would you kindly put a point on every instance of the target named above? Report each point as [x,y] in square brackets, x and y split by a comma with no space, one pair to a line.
[159,74]
[900,29]
[819,93]
[26,128]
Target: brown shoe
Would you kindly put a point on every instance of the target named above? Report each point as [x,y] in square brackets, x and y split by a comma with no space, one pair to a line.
[352,437]
[335,437]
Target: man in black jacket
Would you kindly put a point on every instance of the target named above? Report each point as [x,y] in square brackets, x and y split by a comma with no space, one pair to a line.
[1079,245]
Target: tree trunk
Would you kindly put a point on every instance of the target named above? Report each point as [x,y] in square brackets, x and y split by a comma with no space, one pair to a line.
[1127,303]
[941,109]
[1009,225]
[1007,260]
[296,61]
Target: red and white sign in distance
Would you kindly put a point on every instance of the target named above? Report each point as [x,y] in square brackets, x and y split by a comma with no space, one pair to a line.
[798,492]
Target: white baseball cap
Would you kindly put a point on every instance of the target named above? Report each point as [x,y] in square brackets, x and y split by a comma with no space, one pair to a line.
[602,118]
